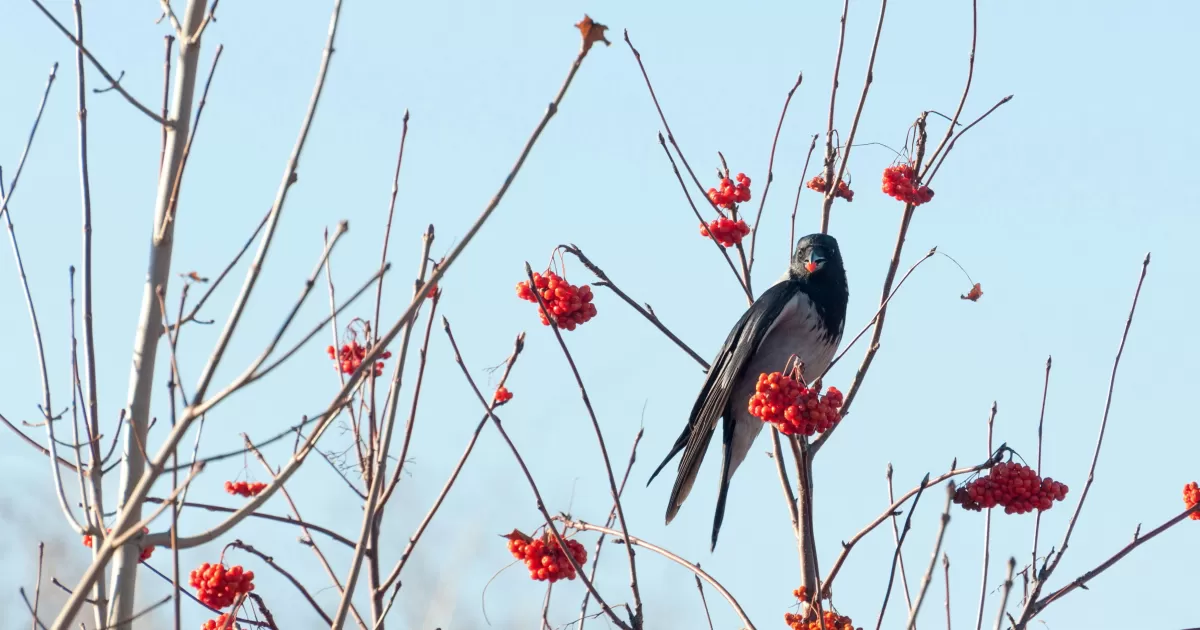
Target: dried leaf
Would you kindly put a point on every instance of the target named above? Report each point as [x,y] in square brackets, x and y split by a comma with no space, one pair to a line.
[517,535]
[974,294]
[195,277]
[592,32]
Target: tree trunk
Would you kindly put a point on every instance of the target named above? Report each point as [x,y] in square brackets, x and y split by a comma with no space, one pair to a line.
[149,331]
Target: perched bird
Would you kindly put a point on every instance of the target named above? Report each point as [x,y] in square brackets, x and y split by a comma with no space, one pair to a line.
[802,314]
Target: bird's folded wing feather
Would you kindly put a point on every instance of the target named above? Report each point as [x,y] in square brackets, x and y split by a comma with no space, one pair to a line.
[714,398]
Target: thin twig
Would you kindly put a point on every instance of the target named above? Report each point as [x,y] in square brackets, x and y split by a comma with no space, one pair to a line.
[900,543]
[37,623]
[284,572]
[796,205]
[966,90]
[309,541]
[724,253]
[612,480]
[173,200]
[518,346]
[37,586]
[529,477]
[115,83]
[848,545]
[830,155]
[832,182]
[168,40]
[612,515]
[700,588]
[946,571]
[937,548]
[987,530]
[605,281]
[270,517]
[1039,581]
[1082,580]
[212,287]
[960,134]
[873,347]
[770,170]
[1004,592]
[691,566]
[5,197]
[1037,522]
[896,541]
[32,442]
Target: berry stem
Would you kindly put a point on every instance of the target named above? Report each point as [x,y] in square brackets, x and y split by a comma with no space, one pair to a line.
[830,150]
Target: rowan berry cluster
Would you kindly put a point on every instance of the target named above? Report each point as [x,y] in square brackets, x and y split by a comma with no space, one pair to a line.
[245,489]
[571,305]
[502,395]
[146,552]
[900,182]
[351,356]
[818,184]
[219,623]
[793,408]
[725,231]
[1012,486]
[1191,496]
[218,587]
[731,193]
[833,621]
[544,558]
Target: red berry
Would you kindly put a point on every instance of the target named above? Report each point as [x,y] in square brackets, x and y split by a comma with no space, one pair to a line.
[730,194]
[725,231]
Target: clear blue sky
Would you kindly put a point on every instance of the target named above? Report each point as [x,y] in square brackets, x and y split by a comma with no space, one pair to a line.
[1050,204]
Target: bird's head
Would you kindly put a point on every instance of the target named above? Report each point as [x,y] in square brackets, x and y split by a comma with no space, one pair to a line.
[818,260]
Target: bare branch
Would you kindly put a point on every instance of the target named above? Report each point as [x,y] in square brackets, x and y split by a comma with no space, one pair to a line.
[762,200]
[937,548]
[115,83]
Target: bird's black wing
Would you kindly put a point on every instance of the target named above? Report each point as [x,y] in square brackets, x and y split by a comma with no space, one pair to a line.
[724,374]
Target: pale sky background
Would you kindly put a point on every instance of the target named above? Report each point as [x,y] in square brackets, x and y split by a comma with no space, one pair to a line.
[1050,204]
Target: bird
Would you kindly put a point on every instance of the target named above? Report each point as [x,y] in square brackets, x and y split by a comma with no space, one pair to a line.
[803,314]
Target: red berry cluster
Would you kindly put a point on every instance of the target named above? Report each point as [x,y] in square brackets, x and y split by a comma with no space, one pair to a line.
[900,182]
[219,623]
[351,356]
[502,395]
[793,408]
[571,305]
[818,184]
[146,552]
[1191,496]
[833,621]
[218,587]
[725,231]
[1015,487]
[544,558]
[731,193]
[243,488]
